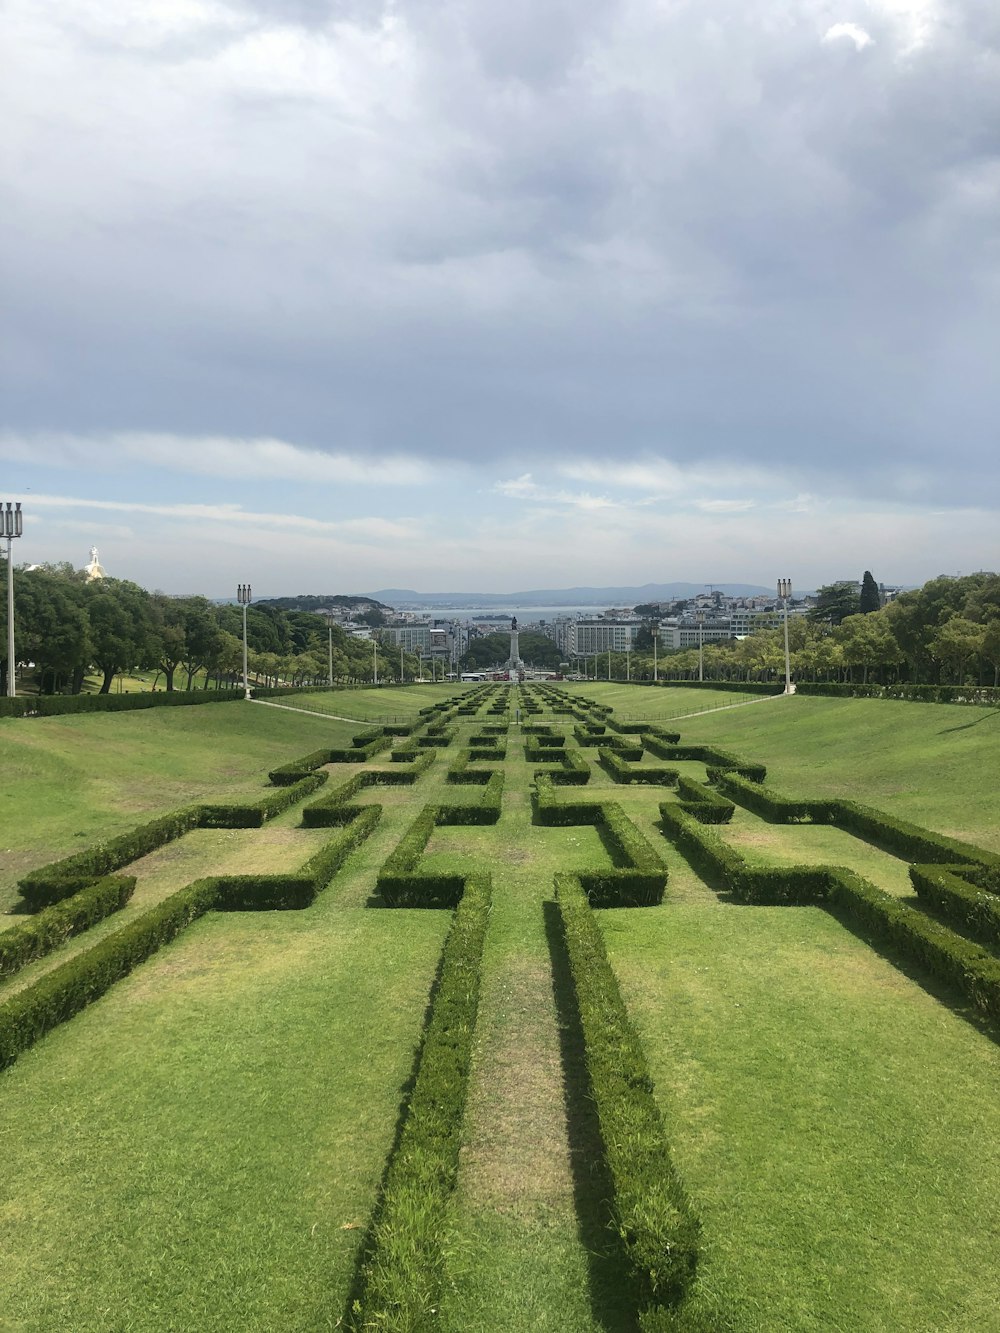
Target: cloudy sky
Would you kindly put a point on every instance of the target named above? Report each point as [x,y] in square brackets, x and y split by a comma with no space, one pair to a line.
[332,295]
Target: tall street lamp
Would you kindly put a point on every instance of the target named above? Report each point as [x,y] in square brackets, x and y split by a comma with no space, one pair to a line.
[784,592]
[656,670]
[10,527]
[701,645]
[628,659]
[374,660]
[243,597]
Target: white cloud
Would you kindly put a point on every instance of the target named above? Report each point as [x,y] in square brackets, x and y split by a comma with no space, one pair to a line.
[851,32]
[215,456]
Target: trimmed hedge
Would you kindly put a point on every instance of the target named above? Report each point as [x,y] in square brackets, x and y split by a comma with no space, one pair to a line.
[652,1215]
[66,990]
[52,883]
[621,768]
[887,831]
[967,906]
[638,877]
[398,882]
[401,1275]
[959,963]
[484,811]
[63,992]
[329,809]
[40,934]
[704,802]
[60,880]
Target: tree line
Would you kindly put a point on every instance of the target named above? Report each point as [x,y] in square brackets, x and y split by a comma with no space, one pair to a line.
[944,633]
[69,629]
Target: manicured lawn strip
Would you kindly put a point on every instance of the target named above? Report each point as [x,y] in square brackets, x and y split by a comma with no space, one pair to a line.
[61,879]
[899,836]
[929,763]
[964,966]
[226,1186]
[836,1127]
[384,704]
[651,1211]
[400,1280]
[63,991]
[75,780]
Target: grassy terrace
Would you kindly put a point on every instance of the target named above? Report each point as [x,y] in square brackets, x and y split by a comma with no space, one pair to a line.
[202,1147]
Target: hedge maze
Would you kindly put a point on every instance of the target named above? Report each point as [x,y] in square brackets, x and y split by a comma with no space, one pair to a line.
[473,768]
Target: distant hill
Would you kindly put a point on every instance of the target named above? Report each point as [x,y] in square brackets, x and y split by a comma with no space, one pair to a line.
[583,596]
[318,602]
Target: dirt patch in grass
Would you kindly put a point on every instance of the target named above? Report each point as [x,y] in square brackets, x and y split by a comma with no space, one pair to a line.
[516,1159]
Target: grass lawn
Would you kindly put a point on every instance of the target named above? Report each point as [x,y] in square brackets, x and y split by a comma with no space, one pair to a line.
[68,781]
[201,1148]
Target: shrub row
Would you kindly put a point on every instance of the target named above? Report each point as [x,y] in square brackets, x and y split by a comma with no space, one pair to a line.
[928,694]
[484,811]
[887,831]
[52,883]
[400,1279]
[966,966]
[652,1216]
[622,768]
[704,802]
[360,754]
[45,931]
[967,906]
[269,892]
[323,812]
[638,876]
[716,761]
[63,992]
[399,883]
[574,770]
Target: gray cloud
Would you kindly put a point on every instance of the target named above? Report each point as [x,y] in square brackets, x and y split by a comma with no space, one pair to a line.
[558,228]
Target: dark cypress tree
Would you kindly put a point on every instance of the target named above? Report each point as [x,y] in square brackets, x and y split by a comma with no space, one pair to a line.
[870,600]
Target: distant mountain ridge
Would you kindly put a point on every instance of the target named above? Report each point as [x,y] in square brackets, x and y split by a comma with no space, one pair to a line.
[583,596]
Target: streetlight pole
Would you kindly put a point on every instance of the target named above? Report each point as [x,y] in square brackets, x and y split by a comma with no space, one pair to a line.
[10,527]
[609,664]
[784,592]
[374,660]
[701,646]
[656,670]
[400,664]
[628,659]
[243,597]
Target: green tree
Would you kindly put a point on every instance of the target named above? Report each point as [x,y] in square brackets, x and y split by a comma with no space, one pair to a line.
[51,627]
[122,628]
[835,601]
[958,642]
[870,598]
[867,641]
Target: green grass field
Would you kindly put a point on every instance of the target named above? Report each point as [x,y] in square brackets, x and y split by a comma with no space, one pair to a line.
[202,1147]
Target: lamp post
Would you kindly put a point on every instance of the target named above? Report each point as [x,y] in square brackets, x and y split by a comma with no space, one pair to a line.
[374,660]
[400,664]
[243,597]
[656,670]
[784,592]
[701,645]
[609,664]
[628,659]
[10,527]
[329,650]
